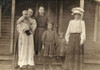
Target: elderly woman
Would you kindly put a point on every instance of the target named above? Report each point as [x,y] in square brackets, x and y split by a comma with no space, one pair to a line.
[26,28]
[75,37]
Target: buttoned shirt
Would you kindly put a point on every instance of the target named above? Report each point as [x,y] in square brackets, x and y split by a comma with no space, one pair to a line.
[76,26]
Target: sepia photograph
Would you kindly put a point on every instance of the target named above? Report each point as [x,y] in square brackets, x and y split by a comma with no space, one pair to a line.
[49,34]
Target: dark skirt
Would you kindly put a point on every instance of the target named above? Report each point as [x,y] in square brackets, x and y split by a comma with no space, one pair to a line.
[74,55]
[38,35]
[49,49]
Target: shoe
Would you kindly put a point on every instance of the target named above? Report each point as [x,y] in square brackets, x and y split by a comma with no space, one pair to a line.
[50,67]
[23,67]
[43,68]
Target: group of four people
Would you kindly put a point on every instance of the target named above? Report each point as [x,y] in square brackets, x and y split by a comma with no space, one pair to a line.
[48,40]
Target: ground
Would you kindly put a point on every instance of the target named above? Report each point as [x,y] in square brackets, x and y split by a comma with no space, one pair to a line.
[56,65]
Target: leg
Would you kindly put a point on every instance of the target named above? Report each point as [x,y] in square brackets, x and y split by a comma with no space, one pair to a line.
[44,62]
[22,51]
[30,52]
[50,62]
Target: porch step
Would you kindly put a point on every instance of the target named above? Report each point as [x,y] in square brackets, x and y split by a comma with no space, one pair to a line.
[6,58]
[6,65]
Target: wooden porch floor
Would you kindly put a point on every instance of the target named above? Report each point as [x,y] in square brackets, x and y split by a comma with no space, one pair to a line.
[56,65]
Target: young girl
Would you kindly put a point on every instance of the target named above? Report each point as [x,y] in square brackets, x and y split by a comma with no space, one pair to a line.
[61,43]
[48,44]
[75,37]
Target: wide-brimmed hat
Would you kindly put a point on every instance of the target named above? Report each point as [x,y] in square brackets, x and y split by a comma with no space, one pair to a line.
[77,10]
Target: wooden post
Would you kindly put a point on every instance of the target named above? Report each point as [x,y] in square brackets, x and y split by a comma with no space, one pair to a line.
[82,47]
[0,18]
[12,26]
[49,12]
[60,16]
[56,17]
[82,4]
[96,22]
[36,9]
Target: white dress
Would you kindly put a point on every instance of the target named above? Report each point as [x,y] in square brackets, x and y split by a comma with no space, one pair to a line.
[26,43]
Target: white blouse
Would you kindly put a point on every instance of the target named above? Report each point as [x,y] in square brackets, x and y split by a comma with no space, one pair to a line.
[76,26]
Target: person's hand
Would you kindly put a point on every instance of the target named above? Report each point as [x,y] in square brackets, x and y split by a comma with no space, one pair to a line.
[28,32]
[67,42]
[81,42]
[42,46]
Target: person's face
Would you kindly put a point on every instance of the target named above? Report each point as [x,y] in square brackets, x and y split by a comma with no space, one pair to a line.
[41,10]
[49,26]
[77,16]
[25,14]
[30,13]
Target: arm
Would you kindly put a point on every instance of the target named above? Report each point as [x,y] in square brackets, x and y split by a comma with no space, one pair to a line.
[20,20]
[67,35]
[18,28]
[56,37]
[34,25]
[83,34]
[43,37]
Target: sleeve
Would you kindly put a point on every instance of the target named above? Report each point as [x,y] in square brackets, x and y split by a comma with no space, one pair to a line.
[83,34]
[22,28]
[43,37]
[56,36]
[20,20]
[67,32]
[55,39]
[19,28]
[34,25]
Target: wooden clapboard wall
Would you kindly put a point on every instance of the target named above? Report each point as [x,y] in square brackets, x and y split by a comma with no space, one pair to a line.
[5,36]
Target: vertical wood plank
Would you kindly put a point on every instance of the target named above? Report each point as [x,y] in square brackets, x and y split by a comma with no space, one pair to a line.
[0,18]
[12,26]
[81,49]
[49,12]
[82,4]
[36,11]
[96,22]
[56,17]
[60,16]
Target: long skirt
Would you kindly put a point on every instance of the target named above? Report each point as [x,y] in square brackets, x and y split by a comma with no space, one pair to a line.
[73,60]
[38,36]
[49,49]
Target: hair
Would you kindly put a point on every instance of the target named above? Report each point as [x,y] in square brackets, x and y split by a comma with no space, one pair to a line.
[41,6]
[24,11]
[30,9]
[33,12]
[50,23]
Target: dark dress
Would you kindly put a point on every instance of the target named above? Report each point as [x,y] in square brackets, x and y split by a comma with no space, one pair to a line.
[49,38]
[41,27]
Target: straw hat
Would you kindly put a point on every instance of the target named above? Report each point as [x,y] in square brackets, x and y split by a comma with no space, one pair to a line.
[77,10]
